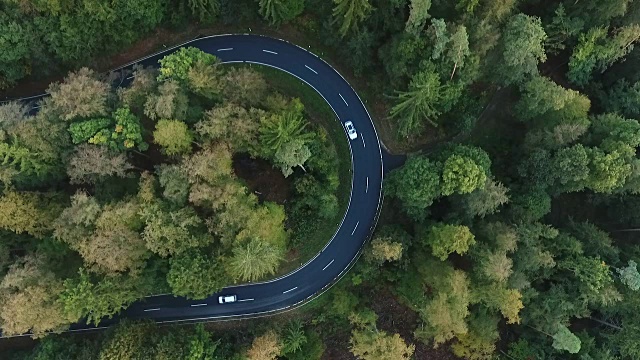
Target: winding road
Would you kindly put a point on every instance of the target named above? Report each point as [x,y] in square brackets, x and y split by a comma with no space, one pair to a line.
[341,252]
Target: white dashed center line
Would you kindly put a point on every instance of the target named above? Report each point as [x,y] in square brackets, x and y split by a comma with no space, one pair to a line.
[196,305]
[366,189]
[270,52]
[245,300]
[354,229]
[345,101]
[284,292]
[308,67]
[363,143]
[155,309]
[225,49]
[325,268]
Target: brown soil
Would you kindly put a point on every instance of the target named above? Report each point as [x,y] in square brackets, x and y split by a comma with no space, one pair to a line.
[262,178]
[337,348]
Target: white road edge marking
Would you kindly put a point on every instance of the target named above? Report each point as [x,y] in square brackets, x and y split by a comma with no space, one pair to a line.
[354,229]
[270,52]
[245,300]
[284,292]
[345,101]
[308,67]
[225,49]
[155,309]
[325,268]
[366,189]
[196,305]
[363,143]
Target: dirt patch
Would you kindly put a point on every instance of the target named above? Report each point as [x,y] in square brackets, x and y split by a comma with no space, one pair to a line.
[337,348]
[262,178]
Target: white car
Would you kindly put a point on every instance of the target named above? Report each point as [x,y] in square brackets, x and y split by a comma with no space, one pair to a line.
[225,299]
[351,130]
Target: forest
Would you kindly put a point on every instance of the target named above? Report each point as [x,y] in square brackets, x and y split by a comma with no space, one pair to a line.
[509,233]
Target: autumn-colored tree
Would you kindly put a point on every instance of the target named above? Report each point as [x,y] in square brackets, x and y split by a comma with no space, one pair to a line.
[80,95]
[479,343]
[230,123]
[244,86]
[116,244]
[29,298]
[377,345]
[144,82]
[27,212]
[205,79]
[265,347]
[90,163]
[445,239]
[172,232]
[384,249]
[174,136]
[209,165]
[445,315]
[169,103]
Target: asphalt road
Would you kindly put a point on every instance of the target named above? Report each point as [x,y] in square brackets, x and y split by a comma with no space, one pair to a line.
[293,289]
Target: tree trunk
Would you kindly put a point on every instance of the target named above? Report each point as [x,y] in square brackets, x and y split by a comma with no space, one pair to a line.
[606,323]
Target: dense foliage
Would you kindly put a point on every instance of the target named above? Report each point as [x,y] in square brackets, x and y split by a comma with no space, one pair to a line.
[121,193]
[511,237]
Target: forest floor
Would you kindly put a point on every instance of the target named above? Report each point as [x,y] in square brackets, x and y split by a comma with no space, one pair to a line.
[262,178]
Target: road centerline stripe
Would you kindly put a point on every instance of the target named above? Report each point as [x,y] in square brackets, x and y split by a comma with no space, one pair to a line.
[225,49]
[363,143]
[270,52]
[284,292]
[345,101]
[245,300]
[366,189]
[354,229]
[309,67]
[326,266]
[154,309]
[196,305]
